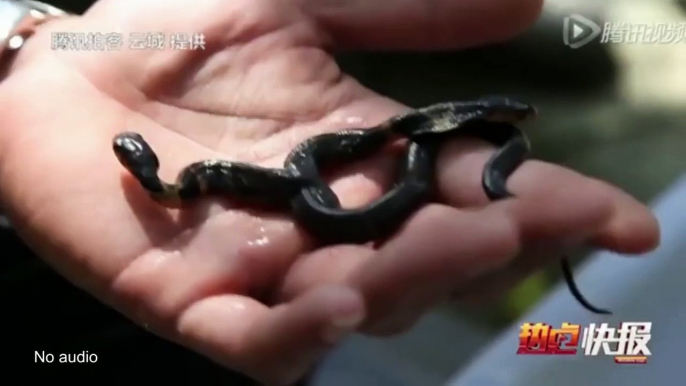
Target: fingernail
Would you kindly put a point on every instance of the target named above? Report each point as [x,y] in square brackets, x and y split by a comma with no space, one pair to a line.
[347,316]
[341,327]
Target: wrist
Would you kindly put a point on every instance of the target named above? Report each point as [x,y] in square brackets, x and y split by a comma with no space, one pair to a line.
[19,20]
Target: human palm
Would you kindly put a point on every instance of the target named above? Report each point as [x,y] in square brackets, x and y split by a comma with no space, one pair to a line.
[245,287]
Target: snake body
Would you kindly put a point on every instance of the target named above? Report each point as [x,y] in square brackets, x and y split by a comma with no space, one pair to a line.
[298,187]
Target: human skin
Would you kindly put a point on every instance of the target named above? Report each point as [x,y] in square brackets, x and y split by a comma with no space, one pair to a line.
[247,288]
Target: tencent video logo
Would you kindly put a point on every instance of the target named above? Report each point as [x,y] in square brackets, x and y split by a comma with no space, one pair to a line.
[579,31]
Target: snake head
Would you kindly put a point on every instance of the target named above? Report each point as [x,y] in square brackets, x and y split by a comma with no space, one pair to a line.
[134,153]
[507,110]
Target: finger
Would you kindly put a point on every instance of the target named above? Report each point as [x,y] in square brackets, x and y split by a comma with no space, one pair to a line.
[439,253]
[439,247]
[439,24]
[493,285]
[538,253]
[276,345]
[324,265]
[630,227]
[439,250]
[425,264]
[420,261]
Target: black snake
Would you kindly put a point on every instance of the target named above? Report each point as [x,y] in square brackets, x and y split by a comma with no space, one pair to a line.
[299,188]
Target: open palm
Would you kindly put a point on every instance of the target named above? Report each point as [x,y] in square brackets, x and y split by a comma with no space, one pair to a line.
[209,277]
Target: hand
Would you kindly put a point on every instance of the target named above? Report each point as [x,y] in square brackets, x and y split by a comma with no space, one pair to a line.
[246,288]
